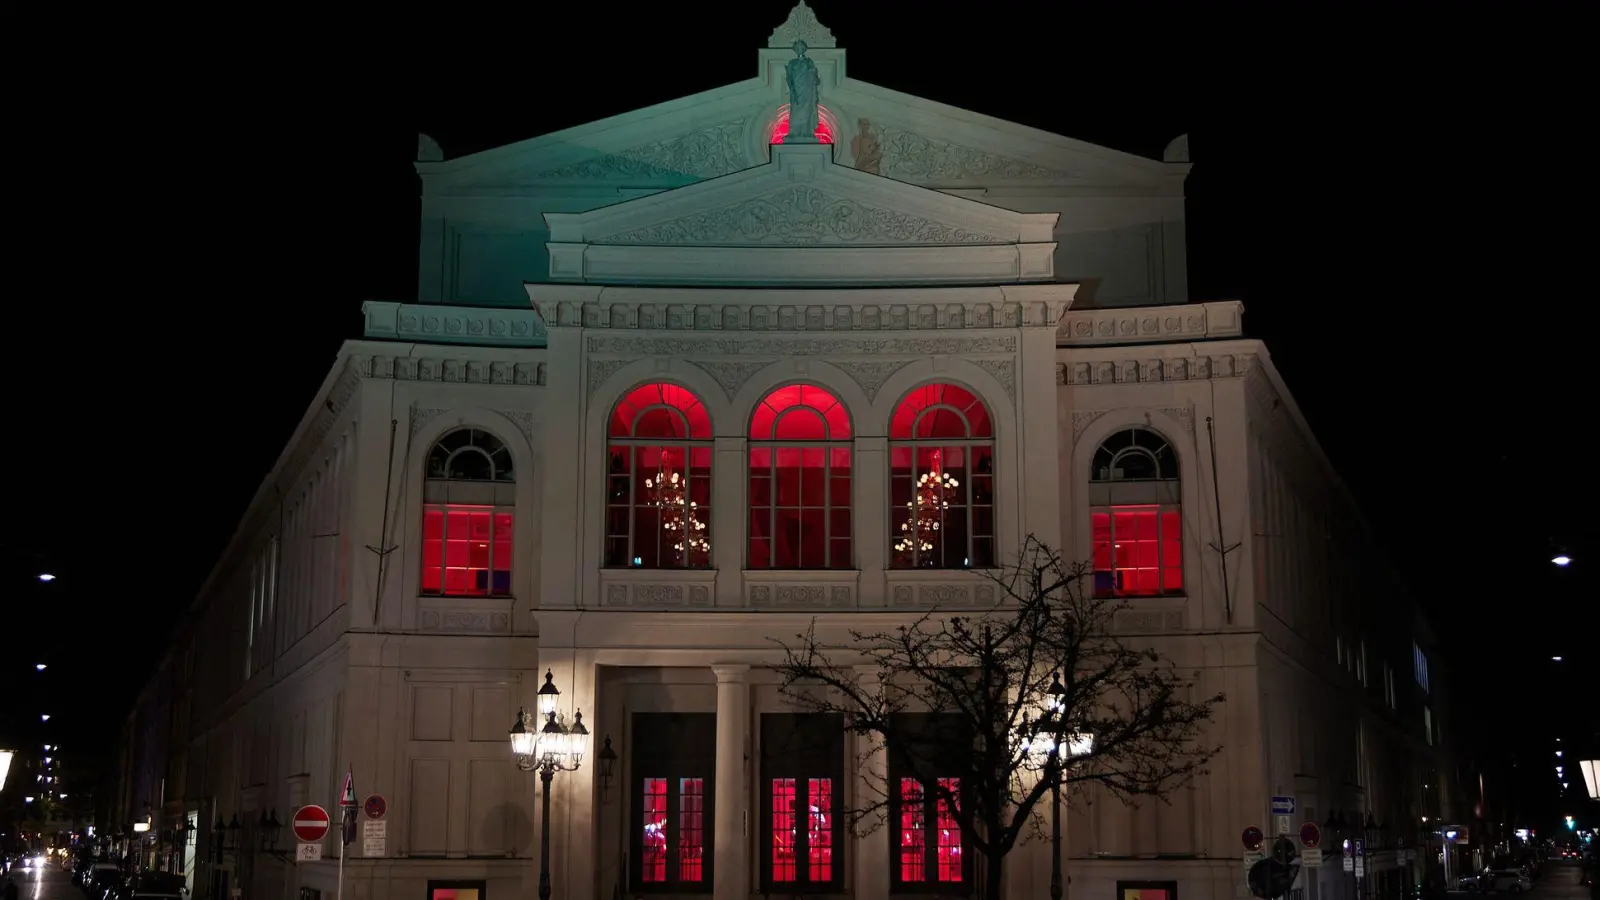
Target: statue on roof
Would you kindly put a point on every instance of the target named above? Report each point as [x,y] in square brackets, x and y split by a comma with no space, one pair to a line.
[804,83]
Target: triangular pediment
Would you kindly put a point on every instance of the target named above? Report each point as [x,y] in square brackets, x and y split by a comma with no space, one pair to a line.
[728,129]
[768,223]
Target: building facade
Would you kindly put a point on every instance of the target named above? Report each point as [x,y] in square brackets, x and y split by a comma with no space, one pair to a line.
[672,387]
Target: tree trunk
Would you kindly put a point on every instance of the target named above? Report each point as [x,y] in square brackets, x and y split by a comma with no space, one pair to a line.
[992,868]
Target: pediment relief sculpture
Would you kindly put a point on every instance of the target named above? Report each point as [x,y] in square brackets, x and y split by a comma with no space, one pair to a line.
[707,153]
[801,215]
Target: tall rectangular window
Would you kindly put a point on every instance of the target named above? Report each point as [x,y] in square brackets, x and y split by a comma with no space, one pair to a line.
[930,852]
[1419,665]
[802,769]
[672,796]
[466,550]
[1138,551]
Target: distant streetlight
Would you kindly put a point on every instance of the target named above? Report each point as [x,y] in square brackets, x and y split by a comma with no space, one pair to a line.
[1562,560]
[45,717]
[1555,659]
[46,576]
[39,667]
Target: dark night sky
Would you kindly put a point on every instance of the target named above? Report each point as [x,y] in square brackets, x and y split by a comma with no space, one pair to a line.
[1390,199]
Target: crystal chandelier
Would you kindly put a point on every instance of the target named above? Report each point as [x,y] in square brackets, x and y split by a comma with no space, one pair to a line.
[927,511]
[680,518]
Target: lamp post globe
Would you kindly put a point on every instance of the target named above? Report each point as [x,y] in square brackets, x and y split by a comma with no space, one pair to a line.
[549,696]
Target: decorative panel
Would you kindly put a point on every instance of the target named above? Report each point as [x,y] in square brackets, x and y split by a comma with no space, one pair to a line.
[432,709]
[491,713]
[657,590]
[801,590]
[949,590]
[489,807]
[429,807]
[456,615]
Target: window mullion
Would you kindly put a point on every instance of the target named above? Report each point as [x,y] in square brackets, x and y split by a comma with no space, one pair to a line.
[633,473]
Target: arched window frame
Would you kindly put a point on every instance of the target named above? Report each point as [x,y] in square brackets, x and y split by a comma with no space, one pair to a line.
[457,503]
[1136,515]
[638,511]
[971,495]
[768,480]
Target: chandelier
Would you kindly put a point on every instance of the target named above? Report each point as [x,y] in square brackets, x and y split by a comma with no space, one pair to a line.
[933,489]
[680,519]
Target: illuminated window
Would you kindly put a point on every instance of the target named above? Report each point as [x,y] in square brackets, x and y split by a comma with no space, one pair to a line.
[780,128]
[941,452]
[800,457]
[658,481]
[1419,666]
[454,890]
[802,767]
[929,853]
[467,514]
[1136,518]
[672,802]
[1148,890]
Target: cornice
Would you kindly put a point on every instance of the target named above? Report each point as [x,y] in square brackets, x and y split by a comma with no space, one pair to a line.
[448,365]
[482,326]
[1153,324]
[1156,363]
[681,309]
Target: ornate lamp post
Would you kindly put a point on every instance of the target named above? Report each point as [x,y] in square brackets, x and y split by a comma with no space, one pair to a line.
[556,747]
[1048,736]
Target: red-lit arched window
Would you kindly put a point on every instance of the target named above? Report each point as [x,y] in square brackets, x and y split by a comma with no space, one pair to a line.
[941,459]
[658,480]
[1136,516]
[780,128]
[800,459]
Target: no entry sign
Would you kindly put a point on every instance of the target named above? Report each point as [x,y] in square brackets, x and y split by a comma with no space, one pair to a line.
[310,824]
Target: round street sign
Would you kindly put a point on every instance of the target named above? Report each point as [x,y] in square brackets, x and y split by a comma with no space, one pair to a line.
[310,824]
[1252,838]
[1310,835]
[375,806]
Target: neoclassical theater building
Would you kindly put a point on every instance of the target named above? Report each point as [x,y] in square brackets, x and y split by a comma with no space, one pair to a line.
[676,384]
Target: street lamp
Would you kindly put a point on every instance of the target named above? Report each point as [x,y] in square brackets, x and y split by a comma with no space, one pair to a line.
[608,765]
[1058,748]
[556,747]
[268,827]
[1561,559]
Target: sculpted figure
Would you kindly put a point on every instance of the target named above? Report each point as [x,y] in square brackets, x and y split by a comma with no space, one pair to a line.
[866,149]
[804,84]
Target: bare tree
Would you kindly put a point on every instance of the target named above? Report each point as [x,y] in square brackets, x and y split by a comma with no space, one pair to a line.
[1038,691]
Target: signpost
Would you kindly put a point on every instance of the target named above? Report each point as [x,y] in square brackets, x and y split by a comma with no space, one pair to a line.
[310,824]
[375,830]
[1283,828]
[1283,806]
[1310,835]
[1252,838]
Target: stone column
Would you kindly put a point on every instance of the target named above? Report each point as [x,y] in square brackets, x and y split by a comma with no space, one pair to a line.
[871,772]
[731,871]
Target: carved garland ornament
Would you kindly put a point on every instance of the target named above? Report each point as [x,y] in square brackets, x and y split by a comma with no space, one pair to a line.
[872,376]
[909,156]
[800,215]
[732,375]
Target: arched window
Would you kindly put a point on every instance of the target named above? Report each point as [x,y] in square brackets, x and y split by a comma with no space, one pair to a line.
[1135,516]
[780,128]
[658,480]
[800,459]
[941,460]
[468,500]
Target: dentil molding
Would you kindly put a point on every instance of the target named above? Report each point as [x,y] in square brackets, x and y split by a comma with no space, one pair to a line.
[1123,370]
[637,347]
[443,366]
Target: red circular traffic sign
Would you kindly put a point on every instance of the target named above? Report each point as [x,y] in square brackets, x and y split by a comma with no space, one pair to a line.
[376,806]
[1252,838]
[310,823]
[1310,835]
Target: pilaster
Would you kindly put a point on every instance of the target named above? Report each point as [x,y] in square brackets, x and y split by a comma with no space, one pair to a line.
[728,486]
[1039,444]
[870,518]
[567,530]
[731,841]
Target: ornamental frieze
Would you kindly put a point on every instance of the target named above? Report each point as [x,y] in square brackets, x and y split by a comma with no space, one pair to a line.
[1149,370]
[729,316]
[802,346]
[450,369]
[908,156]
[801,215]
